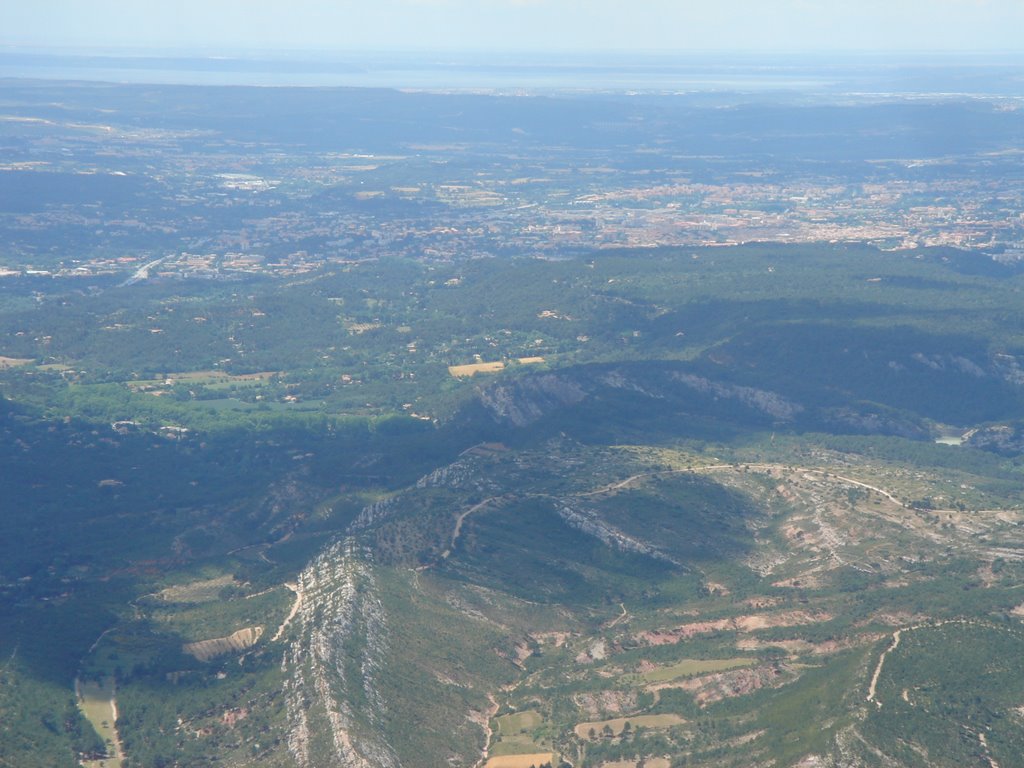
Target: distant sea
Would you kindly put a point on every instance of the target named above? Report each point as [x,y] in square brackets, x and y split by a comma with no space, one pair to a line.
[990,74]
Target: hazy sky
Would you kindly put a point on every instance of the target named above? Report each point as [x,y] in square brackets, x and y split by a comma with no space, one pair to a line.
[518,25]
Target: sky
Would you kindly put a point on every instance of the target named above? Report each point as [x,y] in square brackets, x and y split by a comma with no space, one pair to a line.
[572,26]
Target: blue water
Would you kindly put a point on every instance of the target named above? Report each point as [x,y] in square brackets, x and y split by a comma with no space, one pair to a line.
[664,73]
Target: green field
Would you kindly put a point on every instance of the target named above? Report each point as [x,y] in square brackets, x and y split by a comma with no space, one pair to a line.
[515,734]
[518,723]
[687,668]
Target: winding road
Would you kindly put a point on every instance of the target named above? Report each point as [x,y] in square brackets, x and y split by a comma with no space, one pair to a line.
[460,520]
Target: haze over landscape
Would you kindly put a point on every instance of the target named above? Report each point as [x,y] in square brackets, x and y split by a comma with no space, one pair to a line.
[520,25]
[514,383]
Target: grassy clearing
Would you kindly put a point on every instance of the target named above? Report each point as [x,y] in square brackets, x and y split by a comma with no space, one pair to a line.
[210,379]
[204,591]
[515,734]
[619,723]
[516,745]
[96,701]
[687,668]
[195,621]
[521,761]
[520,722]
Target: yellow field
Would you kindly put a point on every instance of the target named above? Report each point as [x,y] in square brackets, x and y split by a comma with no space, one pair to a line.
[13,362]
[617,724]
[461,371]
[530,360]
[691,667]
[651,762]
[520,761]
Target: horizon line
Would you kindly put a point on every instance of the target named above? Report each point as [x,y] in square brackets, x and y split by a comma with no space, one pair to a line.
[242,52]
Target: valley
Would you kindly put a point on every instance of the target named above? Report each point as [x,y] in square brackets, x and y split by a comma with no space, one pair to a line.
[585,659]
[356,428]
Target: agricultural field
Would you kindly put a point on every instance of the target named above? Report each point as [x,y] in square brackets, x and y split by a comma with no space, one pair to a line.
[511,726]
[98,704]
[691,668]
[517,735]
[534,760]
[212,380]
[471,369]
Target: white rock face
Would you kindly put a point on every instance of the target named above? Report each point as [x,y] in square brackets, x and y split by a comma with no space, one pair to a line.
[770,403]
[588,522]
[336,658]
[523,403]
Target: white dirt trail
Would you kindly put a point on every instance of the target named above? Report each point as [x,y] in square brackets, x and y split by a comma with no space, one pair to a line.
[633,478]
[488,731]
[881,662]
[297,589]
[457,532]
[620,618]
[712,467]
